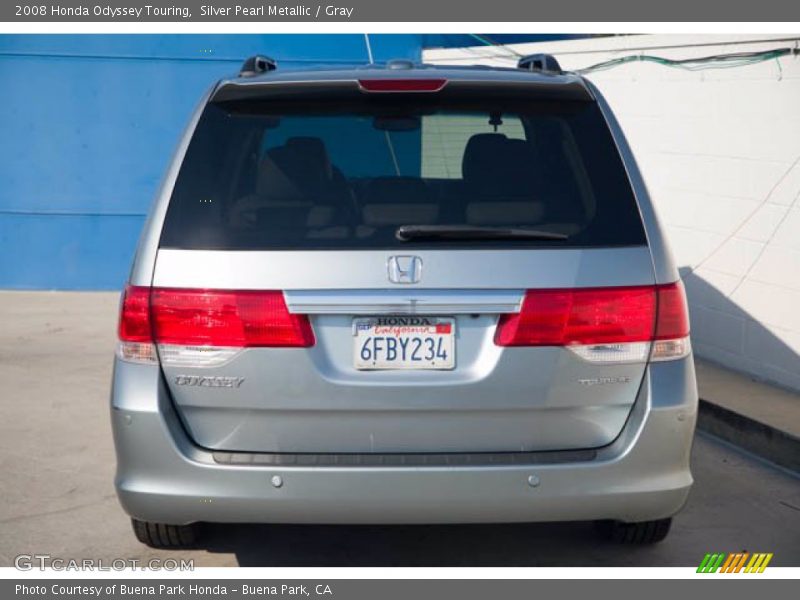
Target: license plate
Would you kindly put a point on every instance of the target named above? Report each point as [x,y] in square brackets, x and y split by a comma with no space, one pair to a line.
[404,343]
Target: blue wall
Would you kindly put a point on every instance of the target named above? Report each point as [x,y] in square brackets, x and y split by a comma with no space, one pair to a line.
[87,125]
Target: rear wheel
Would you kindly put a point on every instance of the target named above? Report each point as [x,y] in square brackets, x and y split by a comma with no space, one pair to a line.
[643,532]
[161,535]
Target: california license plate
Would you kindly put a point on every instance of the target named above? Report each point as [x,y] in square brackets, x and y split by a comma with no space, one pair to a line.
[404,342]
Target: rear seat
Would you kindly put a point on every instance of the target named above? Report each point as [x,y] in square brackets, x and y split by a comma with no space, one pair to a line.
[394,201]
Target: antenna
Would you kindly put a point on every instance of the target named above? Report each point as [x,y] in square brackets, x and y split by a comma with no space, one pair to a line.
[369,49]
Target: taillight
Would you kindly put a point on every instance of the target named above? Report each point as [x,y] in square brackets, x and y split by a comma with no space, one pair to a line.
[235,318]
[134,321]
[580,316]
[401,85]
[615,324]
[671,339]
[207,327]
[673,316]
[135,332]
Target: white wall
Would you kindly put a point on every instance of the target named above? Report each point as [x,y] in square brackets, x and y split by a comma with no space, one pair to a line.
[720,150]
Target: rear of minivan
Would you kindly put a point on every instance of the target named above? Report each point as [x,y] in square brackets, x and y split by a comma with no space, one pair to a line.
[403,296]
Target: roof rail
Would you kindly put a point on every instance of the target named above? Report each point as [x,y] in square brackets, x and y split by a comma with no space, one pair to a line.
[546,63]
[255,65]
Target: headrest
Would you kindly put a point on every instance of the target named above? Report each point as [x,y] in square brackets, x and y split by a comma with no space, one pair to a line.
[312,149]
[495,165]
[301,165]
[480,150]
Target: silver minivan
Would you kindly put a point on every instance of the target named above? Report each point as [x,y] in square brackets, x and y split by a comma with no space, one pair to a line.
[403,294]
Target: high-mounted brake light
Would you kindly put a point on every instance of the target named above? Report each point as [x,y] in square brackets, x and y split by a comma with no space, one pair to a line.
[402,85]
[206,327]
[616,324]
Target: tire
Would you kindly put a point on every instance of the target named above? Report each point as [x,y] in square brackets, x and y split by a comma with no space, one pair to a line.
[161,535]
[644,532]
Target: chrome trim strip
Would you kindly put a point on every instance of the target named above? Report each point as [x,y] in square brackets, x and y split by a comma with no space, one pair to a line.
[405,302]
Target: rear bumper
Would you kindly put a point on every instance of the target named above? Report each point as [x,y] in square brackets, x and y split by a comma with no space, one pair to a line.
[643,475]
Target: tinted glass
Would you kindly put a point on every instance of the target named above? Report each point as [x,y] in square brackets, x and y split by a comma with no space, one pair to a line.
[304,176]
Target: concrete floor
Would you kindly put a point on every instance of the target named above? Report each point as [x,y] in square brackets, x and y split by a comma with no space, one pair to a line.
[57,465]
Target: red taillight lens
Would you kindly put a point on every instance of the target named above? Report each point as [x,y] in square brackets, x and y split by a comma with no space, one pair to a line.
[580,316]
[234,318]
[402,85]
[673,314]
[134,318]
[561,317]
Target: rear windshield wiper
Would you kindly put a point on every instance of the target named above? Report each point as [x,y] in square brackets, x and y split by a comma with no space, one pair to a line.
[407,233]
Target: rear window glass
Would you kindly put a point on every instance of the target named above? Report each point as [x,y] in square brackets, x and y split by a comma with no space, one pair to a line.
[304,175]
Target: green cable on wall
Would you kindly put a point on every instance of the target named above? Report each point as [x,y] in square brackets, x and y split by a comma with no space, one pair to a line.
[716,61]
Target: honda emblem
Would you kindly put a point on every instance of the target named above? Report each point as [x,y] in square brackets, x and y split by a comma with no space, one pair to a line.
[405,269]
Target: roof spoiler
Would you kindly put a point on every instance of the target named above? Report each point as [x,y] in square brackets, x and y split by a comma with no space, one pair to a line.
[256,65]
[544,63]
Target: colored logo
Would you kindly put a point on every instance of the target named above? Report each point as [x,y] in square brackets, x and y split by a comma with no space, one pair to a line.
[735,562]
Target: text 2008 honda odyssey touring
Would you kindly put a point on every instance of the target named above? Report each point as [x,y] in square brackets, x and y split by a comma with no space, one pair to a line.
[403,294]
